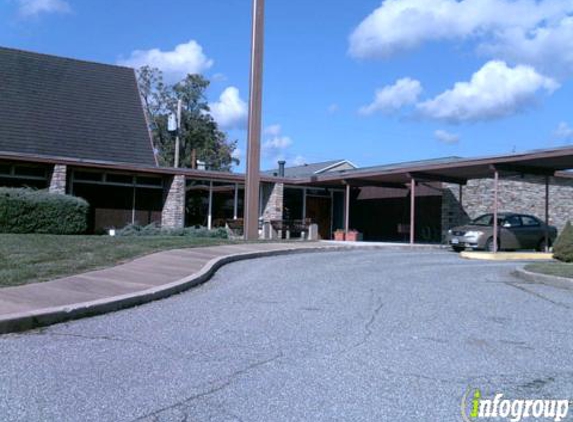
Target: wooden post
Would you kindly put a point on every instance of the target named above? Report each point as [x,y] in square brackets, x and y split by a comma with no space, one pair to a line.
[303,203]
[412,211]
[546,213]
[236,203]
[210,211]
[495,205]
[347,210]
[133,205]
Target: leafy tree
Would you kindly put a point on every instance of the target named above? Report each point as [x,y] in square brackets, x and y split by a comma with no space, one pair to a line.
[198,131]
[563,248]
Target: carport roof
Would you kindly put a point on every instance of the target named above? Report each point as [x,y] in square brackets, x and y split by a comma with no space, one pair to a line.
[452,169]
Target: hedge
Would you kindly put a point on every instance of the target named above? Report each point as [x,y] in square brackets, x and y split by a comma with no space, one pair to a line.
[154,230]
[37,211]
[563,247]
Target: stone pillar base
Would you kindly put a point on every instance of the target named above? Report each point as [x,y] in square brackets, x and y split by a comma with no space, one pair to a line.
[173,212]
[58,180]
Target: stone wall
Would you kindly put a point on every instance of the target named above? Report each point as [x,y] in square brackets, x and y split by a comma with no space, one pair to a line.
[273,197]
[516,194]
[58,179]
[173,212]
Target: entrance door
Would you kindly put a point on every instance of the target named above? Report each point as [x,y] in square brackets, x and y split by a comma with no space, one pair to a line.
[319,209]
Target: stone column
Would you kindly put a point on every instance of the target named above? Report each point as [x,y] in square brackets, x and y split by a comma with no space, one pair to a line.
[273,205]
[58,179]
[173,212]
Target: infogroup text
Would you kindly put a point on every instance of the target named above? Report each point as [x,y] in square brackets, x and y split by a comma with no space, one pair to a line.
[475,407]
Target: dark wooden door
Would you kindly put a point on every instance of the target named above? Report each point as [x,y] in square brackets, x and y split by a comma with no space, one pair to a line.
[319,210]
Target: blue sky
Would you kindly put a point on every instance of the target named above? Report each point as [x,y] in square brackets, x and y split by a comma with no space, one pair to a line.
[371,81]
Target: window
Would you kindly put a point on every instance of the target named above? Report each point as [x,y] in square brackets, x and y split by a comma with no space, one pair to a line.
[529,221]
[88,176]
[150,181]
[124,179]
[484,220]
[512,221]
[34,172]
[5,168]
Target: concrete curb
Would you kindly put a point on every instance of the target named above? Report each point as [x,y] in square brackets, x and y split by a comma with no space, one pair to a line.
[550,280]
[22,321]
[506,256]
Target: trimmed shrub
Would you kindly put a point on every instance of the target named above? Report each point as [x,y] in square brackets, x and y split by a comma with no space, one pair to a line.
[38,211]
[563,247]
[154,230]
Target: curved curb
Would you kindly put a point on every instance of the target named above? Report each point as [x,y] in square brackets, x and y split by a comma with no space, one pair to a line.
[506,256]
[550,280]
[23,321]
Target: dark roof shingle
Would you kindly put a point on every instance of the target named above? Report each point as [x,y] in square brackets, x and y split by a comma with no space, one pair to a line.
[60,107]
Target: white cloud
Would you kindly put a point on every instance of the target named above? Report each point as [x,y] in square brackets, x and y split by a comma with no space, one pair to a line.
[230,112]
[273,130]
[549,48]
[538,33]
[184,59]
[277,143]
[276,146]
[563,131]
[399,25]
[446,137]
[393,97]
[494,91]
[33,8]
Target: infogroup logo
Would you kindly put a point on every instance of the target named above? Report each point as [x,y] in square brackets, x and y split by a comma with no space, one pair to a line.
[475,407]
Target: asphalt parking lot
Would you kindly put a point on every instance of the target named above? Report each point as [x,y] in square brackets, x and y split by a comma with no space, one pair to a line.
[380,335]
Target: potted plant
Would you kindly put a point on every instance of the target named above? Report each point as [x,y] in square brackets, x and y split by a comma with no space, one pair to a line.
[339,235]
[354,236]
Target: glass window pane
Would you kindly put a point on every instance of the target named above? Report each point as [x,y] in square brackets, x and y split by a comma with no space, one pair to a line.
[119,178]
[30,171]
[529,221]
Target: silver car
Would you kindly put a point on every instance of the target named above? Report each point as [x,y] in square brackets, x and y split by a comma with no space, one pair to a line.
[515,231]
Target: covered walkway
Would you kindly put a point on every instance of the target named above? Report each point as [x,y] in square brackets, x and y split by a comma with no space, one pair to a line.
[453,170]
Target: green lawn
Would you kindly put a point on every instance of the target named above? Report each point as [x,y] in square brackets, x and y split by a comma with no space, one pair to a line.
[32,258]
[559,269]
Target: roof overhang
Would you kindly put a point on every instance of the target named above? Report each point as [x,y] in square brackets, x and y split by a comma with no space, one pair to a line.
[131,168]
[543,163]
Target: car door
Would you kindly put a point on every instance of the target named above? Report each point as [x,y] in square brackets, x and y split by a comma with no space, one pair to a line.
[510,232]
[532,231]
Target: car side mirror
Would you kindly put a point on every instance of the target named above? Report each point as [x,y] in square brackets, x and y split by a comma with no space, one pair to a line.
[507,225]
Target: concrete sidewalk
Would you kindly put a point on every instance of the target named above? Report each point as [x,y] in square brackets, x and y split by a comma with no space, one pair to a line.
[142,280]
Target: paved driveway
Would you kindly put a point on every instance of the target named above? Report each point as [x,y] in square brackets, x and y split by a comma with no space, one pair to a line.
[383,335]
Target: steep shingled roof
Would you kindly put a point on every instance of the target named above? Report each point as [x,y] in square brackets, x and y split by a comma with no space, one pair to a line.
[53,106]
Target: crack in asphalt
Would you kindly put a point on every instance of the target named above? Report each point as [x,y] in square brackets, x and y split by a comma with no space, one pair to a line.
[537,295]
[368,327]
[226,382]
[426,377]
[120,340]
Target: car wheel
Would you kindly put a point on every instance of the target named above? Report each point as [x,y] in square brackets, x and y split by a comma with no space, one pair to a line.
[458,248]
[489,245]
[541,245]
